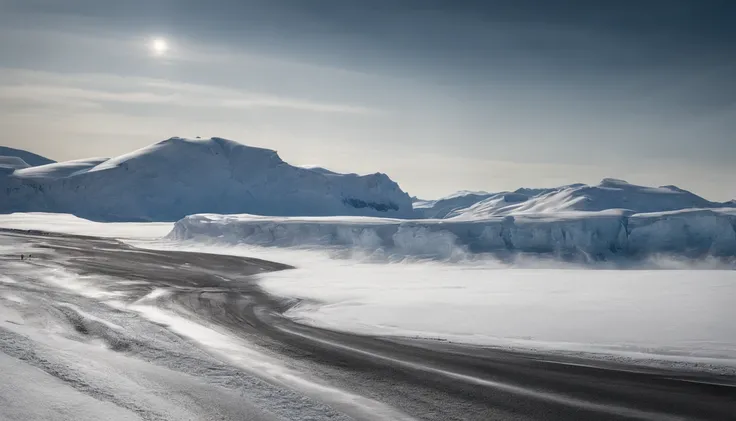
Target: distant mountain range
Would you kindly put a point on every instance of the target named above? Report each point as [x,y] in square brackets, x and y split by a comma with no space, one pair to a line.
[179,177]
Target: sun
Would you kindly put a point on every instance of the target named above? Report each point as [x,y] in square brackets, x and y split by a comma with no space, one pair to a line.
[159,46]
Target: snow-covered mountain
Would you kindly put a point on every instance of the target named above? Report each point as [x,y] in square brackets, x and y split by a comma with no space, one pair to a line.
[29,158]
[609,194]
[9,164]
[178,177]
[445,206]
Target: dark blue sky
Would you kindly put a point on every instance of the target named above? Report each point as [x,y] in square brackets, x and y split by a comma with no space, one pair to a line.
[458,94]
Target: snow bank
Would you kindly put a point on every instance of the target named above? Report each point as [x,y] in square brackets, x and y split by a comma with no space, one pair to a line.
[588,235]
[178,177]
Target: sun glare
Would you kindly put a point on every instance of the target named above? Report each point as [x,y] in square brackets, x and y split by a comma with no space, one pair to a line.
[159,46]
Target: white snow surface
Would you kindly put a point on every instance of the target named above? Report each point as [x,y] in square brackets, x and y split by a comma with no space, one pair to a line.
[581,235]
[439,279]
[70,224]
[680,315]
[61,337]
[177,177]
[673,313]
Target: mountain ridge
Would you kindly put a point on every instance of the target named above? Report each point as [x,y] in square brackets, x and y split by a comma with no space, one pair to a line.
[177,177]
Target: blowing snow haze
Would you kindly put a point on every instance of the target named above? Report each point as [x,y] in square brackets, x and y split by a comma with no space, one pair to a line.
[441,95]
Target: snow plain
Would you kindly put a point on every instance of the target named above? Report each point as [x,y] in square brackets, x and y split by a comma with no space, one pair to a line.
[673,315]
[70,224]
[668,312]
[664,311]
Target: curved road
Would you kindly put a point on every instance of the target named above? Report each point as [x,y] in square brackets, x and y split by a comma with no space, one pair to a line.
[430,380]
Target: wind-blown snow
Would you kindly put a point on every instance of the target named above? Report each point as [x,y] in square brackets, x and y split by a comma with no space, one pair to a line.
[177,177]
[587,235]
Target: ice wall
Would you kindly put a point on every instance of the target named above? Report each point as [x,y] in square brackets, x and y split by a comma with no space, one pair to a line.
[592,235]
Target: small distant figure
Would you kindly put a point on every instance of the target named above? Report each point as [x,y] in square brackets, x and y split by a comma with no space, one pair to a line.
[29,256]
[22,257]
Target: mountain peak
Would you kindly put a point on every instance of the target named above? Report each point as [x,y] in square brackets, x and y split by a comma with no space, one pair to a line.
[179,176]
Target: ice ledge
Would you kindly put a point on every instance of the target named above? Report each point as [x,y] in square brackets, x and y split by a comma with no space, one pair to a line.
[590,235]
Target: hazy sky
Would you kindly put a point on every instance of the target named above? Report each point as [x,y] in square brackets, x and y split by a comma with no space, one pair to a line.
[442,95]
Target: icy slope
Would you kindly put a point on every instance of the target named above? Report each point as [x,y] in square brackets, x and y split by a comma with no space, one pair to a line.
[60,169]
[8,164]
[446,206]
[30,158]
[609,194]
[586,235]
[178,177]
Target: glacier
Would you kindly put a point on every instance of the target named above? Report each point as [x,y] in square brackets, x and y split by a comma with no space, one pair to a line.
[178,177]
[590,236]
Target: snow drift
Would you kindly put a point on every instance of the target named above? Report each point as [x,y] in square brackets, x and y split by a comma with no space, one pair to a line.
[178,177]
[588,235]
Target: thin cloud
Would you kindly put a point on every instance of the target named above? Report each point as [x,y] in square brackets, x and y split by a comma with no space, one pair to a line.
[86,91]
